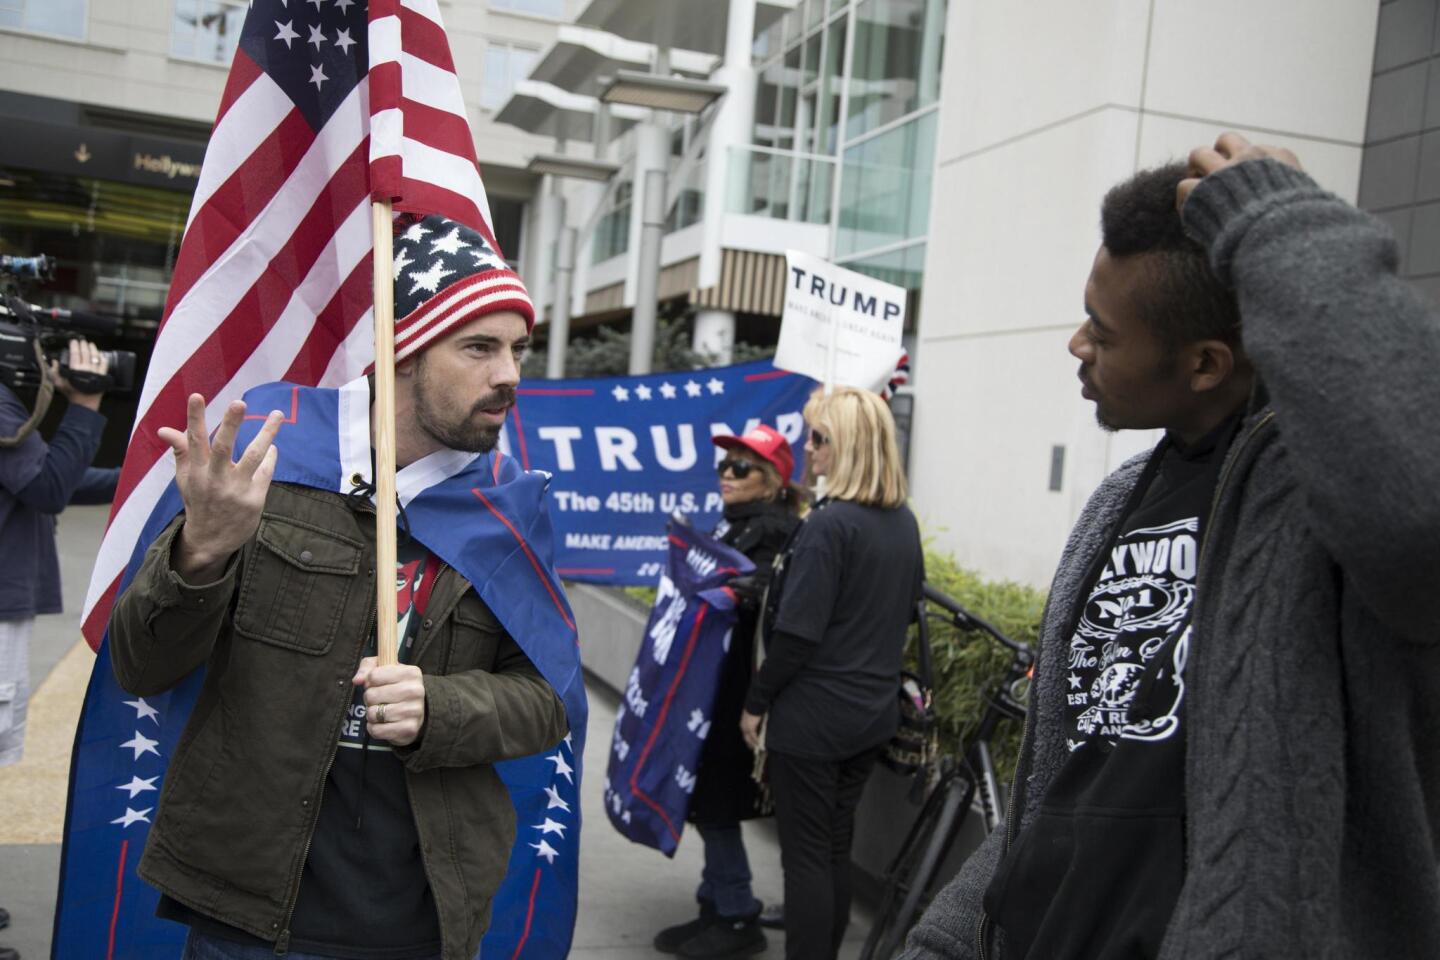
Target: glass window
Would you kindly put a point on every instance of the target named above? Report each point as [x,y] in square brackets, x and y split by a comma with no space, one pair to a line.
[540,8]
[63,18]
[831,79]
[612,233]
[789,94]
[207,29]
[898,50]
[767,91]
[885,187]
[780,185]
[904,268]
[814,12]
[507,221]
[506,64]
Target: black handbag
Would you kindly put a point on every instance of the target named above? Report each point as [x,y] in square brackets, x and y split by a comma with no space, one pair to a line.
[913,746]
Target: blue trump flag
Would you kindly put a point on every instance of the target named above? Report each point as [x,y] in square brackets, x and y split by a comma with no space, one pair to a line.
[664,720]
[483,515]
[627,452]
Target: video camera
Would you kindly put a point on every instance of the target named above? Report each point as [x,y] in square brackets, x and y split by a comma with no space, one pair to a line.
[25,326]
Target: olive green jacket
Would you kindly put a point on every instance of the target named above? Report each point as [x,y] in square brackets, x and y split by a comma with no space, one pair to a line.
[281,634]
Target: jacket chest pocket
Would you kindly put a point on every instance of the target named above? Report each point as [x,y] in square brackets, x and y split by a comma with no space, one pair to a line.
[298,579]
[475,637]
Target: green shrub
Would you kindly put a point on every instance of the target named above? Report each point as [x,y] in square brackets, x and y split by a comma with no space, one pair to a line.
[967,665]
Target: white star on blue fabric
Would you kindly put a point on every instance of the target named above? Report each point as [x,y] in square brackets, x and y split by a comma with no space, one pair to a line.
[137,786]
[562,769]
[450,243]
[550,826]
[430,279]
[344,5]
[555,800]
[316,37]
[692,389]
[400,262]
[317,76]
[715,386]
[415,232]
[141,744]
[287,32]
[667,390]
[1074,681]
[544,849]
[343,41]
[133,816]
[143,710]
[643,392]
[620,393]
[317,4]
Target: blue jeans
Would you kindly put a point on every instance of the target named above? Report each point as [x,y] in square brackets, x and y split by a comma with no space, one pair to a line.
[200,947]
[726,877]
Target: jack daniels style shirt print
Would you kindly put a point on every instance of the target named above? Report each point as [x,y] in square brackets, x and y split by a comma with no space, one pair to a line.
[1097,873]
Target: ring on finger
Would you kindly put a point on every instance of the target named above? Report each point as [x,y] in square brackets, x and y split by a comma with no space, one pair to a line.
[380,713]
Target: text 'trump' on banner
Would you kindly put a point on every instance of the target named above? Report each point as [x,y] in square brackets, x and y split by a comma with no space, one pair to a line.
[840,327]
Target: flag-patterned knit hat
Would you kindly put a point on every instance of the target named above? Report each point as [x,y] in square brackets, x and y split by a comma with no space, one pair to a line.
[447,275]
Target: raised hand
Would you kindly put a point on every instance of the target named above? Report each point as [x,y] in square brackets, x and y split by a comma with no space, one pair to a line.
[1230,149]
[223,499]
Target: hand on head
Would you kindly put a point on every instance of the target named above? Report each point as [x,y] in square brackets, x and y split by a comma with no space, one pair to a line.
[1229,150]
[223,499]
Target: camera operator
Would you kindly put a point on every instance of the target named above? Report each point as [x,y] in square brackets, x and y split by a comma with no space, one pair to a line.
[37,481]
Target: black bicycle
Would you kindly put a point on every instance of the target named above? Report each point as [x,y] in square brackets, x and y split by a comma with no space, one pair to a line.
[959,784]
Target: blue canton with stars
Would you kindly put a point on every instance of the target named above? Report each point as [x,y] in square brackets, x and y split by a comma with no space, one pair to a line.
[434,253]
[315,50]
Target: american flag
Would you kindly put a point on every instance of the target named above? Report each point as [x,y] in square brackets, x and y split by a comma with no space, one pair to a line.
[329,103]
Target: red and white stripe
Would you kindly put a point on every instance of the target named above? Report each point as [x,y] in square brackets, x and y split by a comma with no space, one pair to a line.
[273,278]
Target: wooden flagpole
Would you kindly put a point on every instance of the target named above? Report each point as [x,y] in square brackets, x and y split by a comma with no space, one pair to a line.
[383,420]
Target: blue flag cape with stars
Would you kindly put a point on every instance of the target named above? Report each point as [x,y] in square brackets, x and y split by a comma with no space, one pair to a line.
[481,514]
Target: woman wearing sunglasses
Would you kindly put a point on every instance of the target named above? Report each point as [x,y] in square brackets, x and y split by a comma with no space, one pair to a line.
[761,511]
[850,582]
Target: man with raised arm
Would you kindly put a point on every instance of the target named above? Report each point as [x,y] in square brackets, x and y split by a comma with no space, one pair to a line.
[1231,746]
[318,803]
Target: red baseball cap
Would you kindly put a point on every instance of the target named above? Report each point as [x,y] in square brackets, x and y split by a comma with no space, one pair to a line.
[767,444]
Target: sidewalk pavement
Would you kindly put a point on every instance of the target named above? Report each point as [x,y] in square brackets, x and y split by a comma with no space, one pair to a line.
[627,892]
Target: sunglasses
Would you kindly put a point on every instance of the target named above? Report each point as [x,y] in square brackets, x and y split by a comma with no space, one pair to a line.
[818,439]
[739,469]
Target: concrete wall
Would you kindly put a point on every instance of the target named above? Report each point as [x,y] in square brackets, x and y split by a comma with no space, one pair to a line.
[1044,106]
[124,63]
[1400,178]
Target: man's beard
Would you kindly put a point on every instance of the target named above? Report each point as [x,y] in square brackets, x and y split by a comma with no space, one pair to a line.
[465,434]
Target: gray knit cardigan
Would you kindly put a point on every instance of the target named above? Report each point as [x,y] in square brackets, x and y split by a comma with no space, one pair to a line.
[1312,774]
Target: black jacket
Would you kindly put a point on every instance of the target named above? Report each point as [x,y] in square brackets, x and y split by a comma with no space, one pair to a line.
[724,792]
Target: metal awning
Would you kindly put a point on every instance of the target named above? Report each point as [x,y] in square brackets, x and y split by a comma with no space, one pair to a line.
[549,111]
[677,24]
[580,58]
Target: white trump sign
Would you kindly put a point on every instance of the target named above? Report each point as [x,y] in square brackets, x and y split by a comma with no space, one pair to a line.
[839,327]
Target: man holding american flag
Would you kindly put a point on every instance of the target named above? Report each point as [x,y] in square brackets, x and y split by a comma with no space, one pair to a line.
[290,793]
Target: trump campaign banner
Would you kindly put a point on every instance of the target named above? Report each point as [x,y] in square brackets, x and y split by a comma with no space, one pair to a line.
[627,452]
[840,327]
[665,718]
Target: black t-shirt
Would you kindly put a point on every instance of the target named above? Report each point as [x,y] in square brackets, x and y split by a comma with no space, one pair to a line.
[1097,873]
[363,893]
[851,581]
